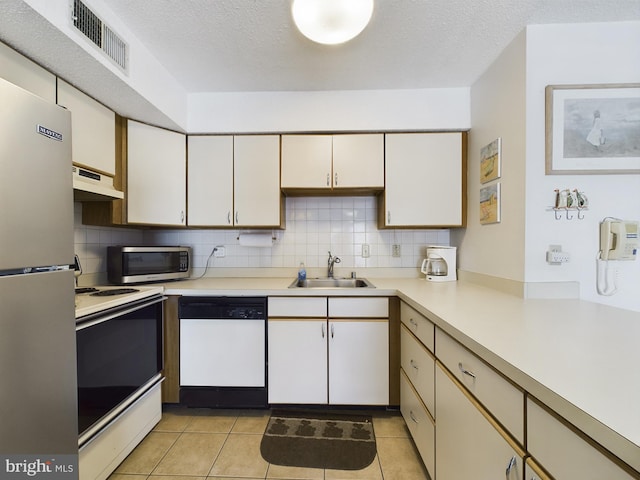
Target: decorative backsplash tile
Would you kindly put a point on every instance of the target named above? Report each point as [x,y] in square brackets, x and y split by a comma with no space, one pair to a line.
[314,226]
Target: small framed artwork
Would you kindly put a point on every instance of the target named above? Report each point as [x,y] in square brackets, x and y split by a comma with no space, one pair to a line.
[490,161]
[490,204]
[592,129]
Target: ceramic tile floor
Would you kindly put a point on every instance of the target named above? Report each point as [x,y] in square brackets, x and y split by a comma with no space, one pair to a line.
[199,444]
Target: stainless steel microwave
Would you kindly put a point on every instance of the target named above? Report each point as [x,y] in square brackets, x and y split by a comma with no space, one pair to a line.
[147,264]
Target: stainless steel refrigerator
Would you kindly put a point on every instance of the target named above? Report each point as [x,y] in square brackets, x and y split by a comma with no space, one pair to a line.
[38,406]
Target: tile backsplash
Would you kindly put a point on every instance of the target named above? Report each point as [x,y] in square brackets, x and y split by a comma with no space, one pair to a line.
[314,226]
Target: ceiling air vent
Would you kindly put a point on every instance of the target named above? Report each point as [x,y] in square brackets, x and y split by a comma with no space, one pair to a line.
[100,34]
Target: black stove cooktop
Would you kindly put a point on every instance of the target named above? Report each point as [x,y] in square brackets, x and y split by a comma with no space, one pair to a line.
[80,290]
[114,291]
[105,293]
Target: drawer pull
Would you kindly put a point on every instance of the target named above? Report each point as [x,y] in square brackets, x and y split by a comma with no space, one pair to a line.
[413,417]
[465,371]
[413,364]
[413,322]
[512,463]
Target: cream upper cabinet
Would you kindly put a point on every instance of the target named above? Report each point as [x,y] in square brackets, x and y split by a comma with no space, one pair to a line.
[257,198]
[358,161]
[306,161]
[21,71]
[156,173]
[94,130]
[424,180]
[234,181]
[349,161]
[210,180]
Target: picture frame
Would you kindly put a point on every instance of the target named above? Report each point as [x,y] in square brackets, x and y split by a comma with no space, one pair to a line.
[490,204]
[490,161]
[588,129]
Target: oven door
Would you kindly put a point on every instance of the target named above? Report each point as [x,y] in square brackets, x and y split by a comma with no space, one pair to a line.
[119,357]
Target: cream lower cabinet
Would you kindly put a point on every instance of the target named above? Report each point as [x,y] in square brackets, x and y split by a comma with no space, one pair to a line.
[316,359]
[469,443]
[565,454]
[417,382]
[425,184]
[532,471]
[298,361]
[156,174]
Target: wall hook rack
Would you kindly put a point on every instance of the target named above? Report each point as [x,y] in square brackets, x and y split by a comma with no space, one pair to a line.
[569,201]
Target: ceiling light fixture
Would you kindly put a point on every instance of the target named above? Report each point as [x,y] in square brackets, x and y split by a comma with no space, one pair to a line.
[331,21]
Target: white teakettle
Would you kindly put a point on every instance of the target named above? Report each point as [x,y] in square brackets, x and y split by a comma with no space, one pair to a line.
[440,264]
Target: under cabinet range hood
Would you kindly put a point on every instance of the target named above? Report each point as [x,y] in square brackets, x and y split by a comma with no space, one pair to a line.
[90,186]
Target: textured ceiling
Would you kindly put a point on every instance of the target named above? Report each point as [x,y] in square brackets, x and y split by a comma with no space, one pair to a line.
[252,45]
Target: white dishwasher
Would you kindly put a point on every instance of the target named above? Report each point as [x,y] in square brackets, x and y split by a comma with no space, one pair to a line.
[223,352]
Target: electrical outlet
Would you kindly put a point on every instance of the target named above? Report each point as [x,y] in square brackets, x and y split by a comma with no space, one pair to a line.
[395,250]
[555,255]
[365,250]
[219,252]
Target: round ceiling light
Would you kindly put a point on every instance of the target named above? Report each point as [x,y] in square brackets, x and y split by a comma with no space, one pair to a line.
[331,21]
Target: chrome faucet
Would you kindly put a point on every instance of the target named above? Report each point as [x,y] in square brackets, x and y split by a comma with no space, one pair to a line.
[332,260]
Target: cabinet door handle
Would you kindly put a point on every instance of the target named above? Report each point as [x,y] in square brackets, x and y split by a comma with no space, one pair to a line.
[413,364]
[413,417]
[512,463]
[465,371]
[237,217]
[182,216]
[335,179]
[229,217]
[328,179]
[413,322]
[332,330]
[388,216]
[323,330]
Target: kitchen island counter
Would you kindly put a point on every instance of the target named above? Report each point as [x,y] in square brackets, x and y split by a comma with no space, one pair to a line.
[577,357]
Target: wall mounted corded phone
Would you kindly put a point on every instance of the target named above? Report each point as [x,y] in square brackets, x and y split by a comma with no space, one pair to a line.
[619,240]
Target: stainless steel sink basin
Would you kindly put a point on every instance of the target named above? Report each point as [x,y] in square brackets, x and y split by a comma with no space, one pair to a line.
[332,283]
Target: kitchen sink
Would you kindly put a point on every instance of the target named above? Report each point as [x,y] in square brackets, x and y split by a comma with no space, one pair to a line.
[332,283]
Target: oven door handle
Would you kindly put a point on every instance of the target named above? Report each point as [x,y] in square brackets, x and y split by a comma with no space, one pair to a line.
[101,318]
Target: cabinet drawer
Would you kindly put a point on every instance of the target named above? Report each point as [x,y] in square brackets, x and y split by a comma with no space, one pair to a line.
[563,453]
[418,324]
[419,423]
[500,397]
[371,307]
[419,366]
[296,307]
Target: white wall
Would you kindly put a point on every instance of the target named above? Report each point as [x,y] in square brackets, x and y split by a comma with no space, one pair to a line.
[497,110]
[578,54]
[426,109]
[508,101]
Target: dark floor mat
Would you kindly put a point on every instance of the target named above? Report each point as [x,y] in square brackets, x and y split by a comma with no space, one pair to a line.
[319,440]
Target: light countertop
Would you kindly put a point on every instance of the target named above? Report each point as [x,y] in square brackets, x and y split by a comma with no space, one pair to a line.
[88,304]
[580,358]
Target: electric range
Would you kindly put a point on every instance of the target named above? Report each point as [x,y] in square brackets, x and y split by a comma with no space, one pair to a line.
[90,300]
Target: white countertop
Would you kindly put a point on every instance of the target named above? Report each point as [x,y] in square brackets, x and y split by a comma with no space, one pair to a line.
[87,304]
[578,357]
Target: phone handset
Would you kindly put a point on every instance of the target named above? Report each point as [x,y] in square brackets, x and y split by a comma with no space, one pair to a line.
[618,241]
